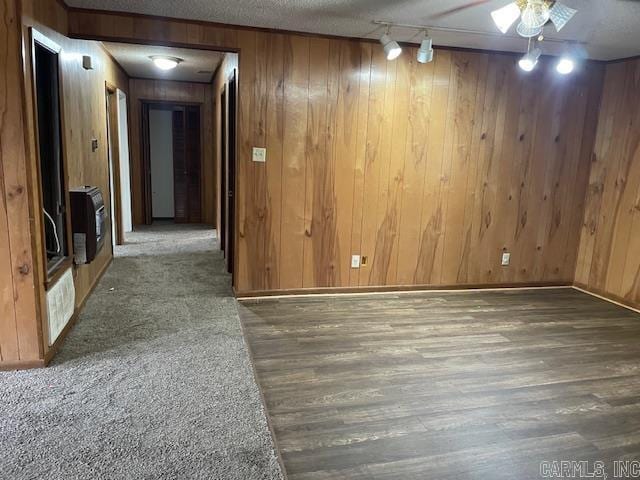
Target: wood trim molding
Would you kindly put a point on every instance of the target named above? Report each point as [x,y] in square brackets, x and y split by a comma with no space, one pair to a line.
[608,297]
[26,365]
[395,289]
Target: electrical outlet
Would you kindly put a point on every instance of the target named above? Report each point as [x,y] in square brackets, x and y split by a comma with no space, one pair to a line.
[355,261]
[506,259]
[259,154]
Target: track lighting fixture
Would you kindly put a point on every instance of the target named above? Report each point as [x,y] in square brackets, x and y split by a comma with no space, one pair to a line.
[391,47]
[565,65]
[425,52]
[530,59]
[567,62]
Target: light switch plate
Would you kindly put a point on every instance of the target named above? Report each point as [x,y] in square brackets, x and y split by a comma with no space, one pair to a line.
[355,261]
[506,259]
[259,154]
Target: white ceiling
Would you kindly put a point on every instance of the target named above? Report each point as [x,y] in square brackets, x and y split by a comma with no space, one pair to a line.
[609,28]
[136,62]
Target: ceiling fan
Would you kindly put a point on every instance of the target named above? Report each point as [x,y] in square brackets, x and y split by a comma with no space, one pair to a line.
[533,15]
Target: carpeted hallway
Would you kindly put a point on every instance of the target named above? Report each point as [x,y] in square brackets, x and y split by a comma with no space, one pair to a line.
[154,381]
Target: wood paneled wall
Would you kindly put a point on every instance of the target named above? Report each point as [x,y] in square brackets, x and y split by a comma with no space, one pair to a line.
[19,328]
[430,171]
[165,90]
[609,258]
[23,330]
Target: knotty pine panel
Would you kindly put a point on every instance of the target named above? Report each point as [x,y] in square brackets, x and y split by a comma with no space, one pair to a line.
[430,171]
[84,118]
[609,256]
[172,91]
[19,330]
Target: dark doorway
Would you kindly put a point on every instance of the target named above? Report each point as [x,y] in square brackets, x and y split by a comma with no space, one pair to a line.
[223,168]
[184,171]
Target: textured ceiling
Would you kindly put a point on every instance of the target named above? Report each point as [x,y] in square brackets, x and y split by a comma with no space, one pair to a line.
[136,62]
[609,28]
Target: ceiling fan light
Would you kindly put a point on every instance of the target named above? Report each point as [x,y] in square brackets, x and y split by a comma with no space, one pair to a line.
[528,32]
[560,15]
[530,60]
[505,17]
[535,14]
[391,47]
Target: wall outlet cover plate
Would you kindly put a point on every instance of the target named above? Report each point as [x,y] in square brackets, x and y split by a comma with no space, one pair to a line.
[355,261]
[259,154]
[506,259]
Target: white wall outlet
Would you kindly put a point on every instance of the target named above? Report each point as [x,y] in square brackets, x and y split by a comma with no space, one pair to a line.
[506,259]
[259,154]
[355,261]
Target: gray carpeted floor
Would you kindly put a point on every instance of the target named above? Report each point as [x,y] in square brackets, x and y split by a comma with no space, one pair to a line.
[154,381]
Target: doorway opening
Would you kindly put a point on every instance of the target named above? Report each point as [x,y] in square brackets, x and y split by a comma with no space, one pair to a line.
[172,161]
[228,118]
[118,152]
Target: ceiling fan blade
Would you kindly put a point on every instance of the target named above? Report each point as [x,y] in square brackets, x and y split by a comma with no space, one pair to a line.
[451,11]
[560,15]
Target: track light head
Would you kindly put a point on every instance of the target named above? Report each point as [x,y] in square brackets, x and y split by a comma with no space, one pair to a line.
[529,60]
[425,53]
[391,47]
[565,65]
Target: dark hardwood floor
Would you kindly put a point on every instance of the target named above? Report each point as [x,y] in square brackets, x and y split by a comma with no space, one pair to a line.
[465,385]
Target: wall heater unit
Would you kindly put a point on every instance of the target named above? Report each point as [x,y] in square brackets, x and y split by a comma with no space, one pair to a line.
[88,218]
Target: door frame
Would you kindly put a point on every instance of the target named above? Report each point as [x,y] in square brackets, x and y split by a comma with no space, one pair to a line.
[113,145]
[231,159]
[145,173]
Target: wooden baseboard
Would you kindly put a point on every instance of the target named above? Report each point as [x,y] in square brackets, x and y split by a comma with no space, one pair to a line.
[21,365]
[601,294]
[245,295]
[70,324]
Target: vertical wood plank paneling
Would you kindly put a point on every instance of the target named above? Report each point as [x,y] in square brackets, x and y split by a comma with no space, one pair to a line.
[431,222]
[421,83]
[273,167]
[344,155]
[245,206]
[379,258]
[459,168]
[318,242]
[296,105]
[360,156]
[428,171]
[20,332]
[376,125]
[609,257]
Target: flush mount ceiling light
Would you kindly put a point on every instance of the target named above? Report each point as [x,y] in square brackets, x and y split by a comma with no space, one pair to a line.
[425,52]
[164,62]
[391,47]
